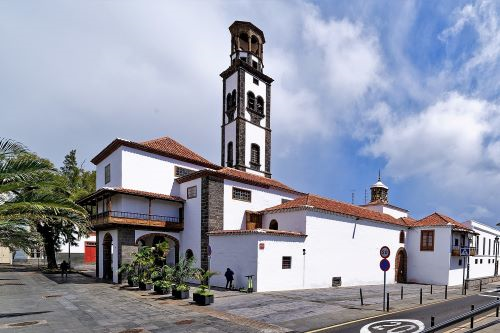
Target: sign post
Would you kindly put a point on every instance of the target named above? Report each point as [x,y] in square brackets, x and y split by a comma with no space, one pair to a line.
[464,253]
[385,252]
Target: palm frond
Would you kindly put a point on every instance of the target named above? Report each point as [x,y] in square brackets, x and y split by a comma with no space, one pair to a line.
[10,148]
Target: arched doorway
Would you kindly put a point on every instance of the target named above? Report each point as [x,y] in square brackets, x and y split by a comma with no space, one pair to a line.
[154,238]
[107,257]
[401,265]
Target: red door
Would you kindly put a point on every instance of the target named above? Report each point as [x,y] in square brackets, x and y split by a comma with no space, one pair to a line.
[89,255]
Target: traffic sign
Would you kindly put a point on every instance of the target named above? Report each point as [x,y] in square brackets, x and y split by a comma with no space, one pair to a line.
[385,252]
[385,265]
[465,251]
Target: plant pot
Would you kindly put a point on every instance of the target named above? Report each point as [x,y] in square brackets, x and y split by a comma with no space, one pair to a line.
[149,286]
[157,289]
[180,294]
[165,291]
[130,282]
[142,286]
[203,299]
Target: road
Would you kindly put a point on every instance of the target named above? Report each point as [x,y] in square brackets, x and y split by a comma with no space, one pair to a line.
[417,318]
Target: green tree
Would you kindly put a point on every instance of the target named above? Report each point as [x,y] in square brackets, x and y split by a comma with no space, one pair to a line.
[35,198]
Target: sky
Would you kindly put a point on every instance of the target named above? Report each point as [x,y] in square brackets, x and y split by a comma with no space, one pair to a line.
[410,88]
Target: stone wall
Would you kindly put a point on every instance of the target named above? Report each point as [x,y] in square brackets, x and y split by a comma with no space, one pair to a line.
[212,212]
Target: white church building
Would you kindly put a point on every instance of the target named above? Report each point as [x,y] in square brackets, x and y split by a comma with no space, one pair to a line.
[236,215]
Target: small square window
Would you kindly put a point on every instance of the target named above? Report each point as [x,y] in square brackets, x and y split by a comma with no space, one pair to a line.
[475,261]
[107,173]
[427,240]
[286,263]
[459,262]
[254,64]
[255,81]
[191,192]
[481,261]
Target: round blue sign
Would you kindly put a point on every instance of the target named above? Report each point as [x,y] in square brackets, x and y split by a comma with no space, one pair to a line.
[385,265]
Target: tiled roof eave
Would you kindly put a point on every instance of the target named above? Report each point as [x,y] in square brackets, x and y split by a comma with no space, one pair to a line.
[267,232]
[121,142]
[311,208]
[220,175]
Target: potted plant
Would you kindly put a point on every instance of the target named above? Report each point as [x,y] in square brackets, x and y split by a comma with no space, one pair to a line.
[129,270]
[203,295]
[183,271]
[162,287]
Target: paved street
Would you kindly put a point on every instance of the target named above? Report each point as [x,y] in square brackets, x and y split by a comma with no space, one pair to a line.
[33,302]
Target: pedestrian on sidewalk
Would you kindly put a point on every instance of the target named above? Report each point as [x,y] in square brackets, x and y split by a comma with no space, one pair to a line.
[64,269]
[229,278]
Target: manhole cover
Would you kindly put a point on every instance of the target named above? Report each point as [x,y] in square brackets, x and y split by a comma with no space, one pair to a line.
[24,323]
[184,322]
[133,330]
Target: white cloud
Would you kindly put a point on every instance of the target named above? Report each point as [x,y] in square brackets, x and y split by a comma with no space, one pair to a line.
[349,54]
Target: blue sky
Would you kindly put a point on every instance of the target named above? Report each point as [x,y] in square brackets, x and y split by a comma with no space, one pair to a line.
[411,88]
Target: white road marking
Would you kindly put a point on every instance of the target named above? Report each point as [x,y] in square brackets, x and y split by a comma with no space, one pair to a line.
[394,326]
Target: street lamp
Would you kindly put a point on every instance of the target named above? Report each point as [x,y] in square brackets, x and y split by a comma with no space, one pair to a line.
[495,248]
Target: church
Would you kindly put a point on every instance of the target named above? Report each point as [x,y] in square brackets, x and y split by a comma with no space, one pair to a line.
[236,214]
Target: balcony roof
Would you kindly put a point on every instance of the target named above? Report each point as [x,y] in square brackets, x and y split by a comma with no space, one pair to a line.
[107,192]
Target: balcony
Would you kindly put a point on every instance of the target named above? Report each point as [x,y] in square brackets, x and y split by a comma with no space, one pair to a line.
[455,251]
[137,219]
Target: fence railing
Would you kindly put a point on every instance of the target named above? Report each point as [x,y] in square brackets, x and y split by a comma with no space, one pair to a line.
[139,216]
[466,316]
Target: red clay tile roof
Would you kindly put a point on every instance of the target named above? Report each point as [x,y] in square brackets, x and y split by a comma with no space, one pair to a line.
[409,221]
[108,191]
[257,231]
[314,201]
[437,219]
[240,176]
[164,146]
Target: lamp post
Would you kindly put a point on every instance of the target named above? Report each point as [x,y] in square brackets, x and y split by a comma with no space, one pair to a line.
[496,255]
[469,236]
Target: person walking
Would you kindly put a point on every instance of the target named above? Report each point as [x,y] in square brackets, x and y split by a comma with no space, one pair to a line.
[64,269]
[229,278]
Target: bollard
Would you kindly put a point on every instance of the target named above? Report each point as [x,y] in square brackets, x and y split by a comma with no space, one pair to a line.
[387,302]
[361,295]
[401,292]
[498,300]
[432,321]
[472,318]
[431,289]
[420,296]
[480,285]
[446,292]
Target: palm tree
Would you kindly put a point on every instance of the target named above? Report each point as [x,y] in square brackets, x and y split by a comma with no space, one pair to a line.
[32,199]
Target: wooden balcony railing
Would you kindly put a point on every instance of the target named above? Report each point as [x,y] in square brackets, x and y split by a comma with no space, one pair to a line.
[455,251]
[140,219]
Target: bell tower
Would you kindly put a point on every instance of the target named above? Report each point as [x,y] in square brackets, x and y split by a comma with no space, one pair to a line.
[246,103]
[379,192]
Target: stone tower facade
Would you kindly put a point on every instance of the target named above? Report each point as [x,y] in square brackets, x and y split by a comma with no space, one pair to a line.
[246,105]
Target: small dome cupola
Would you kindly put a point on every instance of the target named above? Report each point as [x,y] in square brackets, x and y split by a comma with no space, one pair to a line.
[379,191]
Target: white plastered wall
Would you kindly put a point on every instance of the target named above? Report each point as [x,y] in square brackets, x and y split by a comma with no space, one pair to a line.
[339,246]
[191,235]
[483,265]
[239,253]
[152,173]
[234,210]
[431,267]
[115,161]
[288,221]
